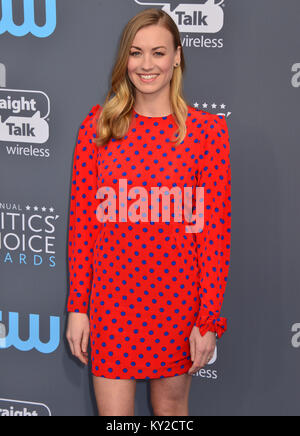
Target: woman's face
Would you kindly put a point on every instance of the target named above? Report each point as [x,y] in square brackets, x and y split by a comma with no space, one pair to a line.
[152,53]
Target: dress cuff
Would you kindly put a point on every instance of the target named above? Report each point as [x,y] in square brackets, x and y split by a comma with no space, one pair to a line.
[210,324]
[77,308]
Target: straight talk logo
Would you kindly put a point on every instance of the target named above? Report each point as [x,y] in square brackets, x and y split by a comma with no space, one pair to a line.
[195,16]
[22,408]
[24,117]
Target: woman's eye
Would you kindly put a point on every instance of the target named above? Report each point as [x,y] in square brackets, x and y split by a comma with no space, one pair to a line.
[137,52]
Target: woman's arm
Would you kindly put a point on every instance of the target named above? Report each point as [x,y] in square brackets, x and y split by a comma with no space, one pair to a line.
[213,243]
[83,224]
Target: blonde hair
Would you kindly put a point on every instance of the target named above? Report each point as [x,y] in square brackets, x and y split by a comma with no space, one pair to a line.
[116,114]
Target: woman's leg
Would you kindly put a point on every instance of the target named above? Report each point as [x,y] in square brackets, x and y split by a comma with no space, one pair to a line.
[170,395]
[115,397]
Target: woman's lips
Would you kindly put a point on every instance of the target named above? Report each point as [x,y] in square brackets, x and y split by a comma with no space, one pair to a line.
[148,80]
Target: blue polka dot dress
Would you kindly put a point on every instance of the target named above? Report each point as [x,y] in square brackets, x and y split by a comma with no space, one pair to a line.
[146,281]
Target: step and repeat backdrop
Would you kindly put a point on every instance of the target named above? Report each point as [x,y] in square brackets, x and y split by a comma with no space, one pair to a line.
[243,61]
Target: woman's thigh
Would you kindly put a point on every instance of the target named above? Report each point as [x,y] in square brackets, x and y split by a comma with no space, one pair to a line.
[115,397]
[169,393]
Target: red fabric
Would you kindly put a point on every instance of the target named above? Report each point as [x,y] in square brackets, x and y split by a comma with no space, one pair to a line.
[149,283]
[214,241]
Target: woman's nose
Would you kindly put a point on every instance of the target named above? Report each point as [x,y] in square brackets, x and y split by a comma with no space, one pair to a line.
[147,63]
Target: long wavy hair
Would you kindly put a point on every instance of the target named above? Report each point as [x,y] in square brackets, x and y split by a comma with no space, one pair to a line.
[116,115]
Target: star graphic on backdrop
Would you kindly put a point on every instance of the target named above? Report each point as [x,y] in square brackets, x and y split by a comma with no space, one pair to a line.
[36,208]
[214,106]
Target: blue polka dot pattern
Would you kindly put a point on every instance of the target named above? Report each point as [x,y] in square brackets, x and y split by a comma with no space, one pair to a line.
[148,281]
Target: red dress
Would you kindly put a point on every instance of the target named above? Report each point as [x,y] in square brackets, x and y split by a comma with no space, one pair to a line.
[149,282]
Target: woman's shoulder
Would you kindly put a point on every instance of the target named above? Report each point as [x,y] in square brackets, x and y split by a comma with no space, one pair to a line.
[90,119]
[202,115]
[207,121]
[94,111]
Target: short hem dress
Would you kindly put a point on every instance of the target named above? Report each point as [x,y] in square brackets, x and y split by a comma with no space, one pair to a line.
[145,277]
[142,374]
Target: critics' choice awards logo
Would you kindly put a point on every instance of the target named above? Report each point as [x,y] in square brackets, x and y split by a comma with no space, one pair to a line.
[30,7]
[201,17]
[23,408]
[23,119]
[12,336]
[28,236]
[296,75]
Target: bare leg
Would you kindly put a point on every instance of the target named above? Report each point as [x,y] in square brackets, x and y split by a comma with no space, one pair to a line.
[170,395]
[115,397]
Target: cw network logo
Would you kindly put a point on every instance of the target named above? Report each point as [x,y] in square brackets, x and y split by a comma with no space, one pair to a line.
[29,25]
[12,339]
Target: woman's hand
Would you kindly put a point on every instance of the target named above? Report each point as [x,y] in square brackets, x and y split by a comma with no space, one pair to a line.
[78,333]
[202,349]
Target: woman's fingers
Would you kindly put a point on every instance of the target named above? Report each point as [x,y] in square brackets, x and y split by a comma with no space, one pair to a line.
[193,349]
[85,341]
[71,347]
[195,357]
[78,335]
[202,350]
[203,358]
[199,361]
[78,352]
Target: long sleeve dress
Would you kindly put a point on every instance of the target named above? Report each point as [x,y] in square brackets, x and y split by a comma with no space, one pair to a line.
[144,280]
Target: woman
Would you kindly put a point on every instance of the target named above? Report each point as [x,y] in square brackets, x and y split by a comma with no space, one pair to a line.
[155,289]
